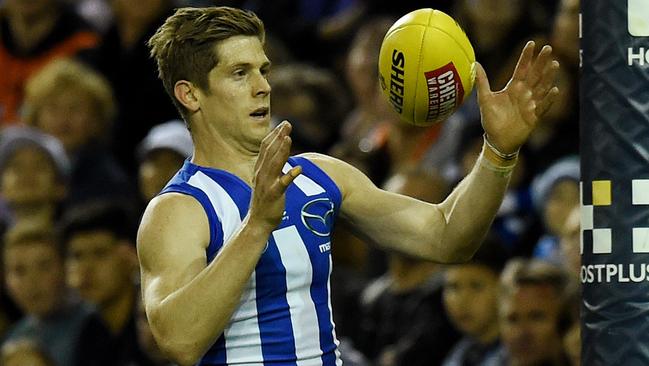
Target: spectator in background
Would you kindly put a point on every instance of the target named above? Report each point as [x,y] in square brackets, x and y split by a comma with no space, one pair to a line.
[75,104]
[24,352]
[321,28]
[570,242]
[508,24]
[315,102]
[102,267]
[33,33]
[471,301]
[558,134]
[555,193]
[572,343]
[123,59]
[564,36]
[34,170]
[402,318]
[535,312]
[161,154]
[70,331]
[399,8]
[360,128]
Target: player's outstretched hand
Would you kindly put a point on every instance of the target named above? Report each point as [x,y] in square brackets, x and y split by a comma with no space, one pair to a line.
[269,184]
[510,115]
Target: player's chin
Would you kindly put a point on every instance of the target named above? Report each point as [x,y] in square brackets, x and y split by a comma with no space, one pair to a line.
[254,141]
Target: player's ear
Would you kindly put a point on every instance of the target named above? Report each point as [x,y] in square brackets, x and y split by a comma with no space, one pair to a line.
[187,94]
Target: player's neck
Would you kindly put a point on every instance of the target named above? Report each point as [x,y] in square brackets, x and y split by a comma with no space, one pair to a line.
[233,158]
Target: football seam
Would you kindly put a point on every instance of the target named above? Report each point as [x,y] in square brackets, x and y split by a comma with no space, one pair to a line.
[439,29]
[456,42]
[418,71]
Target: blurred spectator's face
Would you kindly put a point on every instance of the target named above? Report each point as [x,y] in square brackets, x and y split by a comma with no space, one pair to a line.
[35,277]
[563,197]
[493,14]
[564,104]
[69,116]
[25,358]
[470,297]
[570,241]
[29,178]
[565,34]
[572,344]
[29,9]
[98,267]
[529,319]
[361,71]
[141,10]
[301,109]
[156,170]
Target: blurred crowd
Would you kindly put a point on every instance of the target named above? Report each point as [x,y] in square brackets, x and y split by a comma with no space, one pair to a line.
[88,136]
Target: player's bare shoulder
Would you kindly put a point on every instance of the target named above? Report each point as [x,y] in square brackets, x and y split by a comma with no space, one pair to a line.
[336,169]
[170,218]
[324,162]
[348,178]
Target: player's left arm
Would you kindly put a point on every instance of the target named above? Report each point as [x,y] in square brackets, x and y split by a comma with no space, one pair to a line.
[452,230]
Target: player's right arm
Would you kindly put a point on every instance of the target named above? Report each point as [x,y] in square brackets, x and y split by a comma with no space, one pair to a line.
[189,302]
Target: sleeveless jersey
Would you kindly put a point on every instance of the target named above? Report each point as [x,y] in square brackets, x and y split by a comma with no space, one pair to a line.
[284,315]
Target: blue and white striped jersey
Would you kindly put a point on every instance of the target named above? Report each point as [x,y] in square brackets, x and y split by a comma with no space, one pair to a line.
[284,317]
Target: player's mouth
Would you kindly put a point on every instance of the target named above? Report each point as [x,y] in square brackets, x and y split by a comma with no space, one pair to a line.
[260,113]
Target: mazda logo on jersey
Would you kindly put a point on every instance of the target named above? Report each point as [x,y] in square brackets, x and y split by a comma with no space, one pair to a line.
[317,215]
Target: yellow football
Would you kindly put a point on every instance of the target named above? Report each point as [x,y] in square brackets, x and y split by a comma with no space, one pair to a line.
[426,66]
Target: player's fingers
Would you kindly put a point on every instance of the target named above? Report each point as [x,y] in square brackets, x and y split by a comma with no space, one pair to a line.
[265,143]
[547,101]
[482,82]
[290,176]
[283,151]
[272,134]
[524,61]
[277,162]
[548,79]
[523,98]
[271,144]
[539,65]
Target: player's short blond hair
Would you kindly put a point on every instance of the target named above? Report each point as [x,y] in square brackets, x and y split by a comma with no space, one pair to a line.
[184,46]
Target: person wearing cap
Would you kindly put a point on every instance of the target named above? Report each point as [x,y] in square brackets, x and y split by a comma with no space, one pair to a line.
[160,155]
[34,171]
[555,193]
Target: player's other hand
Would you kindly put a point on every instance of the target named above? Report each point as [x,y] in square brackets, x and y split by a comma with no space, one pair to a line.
[269,183]
[510,115]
